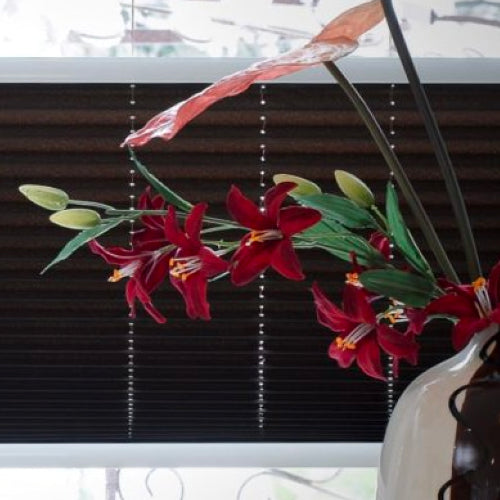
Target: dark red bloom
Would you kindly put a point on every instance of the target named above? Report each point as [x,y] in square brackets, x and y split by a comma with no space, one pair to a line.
[152,235]
[360,333]
[475,306]
[146,263]
[269,243]
[145,269]
[381,242]
[193,263]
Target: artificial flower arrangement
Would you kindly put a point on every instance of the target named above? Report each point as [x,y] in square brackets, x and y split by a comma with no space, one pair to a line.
[178,242]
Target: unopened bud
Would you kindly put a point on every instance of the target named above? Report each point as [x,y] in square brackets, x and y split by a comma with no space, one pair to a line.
[304,187]
[355,189]
[45,196]
[76,218]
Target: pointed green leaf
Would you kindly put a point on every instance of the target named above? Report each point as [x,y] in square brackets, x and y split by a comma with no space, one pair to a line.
[339,241]
[339,209]
[401,234]
[343,245]
[412,290]
[82,238]
[169,195]
[324,229]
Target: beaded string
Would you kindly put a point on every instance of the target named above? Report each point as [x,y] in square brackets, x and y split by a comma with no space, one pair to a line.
[261,282]
[131,320]
[390,359]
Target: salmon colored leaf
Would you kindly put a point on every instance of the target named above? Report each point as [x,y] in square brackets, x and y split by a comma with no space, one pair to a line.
[336,40]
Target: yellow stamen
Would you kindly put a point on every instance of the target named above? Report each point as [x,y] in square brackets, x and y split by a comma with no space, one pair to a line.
[352,278]
[264,235]
[344,344]
[479,283]
[392,316]
[483,302]
[116,276]
[183,267]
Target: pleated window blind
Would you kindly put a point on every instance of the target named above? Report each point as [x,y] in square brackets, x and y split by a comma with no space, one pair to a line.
[65,371]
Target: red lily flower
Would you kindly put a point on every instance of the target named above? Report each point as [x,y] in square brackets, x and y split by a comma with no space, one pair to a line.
[146,263]
[269,243]
[475,306]
[192,264]
[381,243]
[337,39]
[360,334]
[145,268]
[152,235]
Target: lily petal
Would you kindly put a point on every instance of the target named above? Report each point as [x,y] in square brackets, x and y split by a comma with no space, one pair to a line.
[133,290]
[454,305]
[357,306]
[344,357]
[368,358]
[172,230]
[381,242]
[245,211]
[329,314]
[154,272]
[494,283]
[285,260]
[416,320]
[148,240]
[194,222]
[146,202]
[464,330]
[295,219]
[274,198]
[212,264]
[194,292]
[336,40]
[250,261]
[397,344]
[116,256]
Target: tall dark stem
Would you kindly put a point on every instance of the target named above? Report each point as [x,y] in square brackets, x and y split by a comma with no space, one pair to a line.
[399,173]
[438,144]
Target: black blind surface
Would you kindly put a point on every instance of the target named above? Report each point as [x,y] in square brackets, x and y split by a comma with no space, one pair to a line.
[64,344]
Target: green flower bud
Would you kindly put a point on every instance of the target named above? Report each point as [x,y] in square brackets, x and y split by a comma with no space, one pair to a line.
[76,218]
[304,186]
[45,196]
[354,189]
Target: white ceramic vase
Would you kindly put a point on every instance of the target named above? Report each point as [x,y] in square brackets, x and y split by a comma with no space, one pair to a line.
[420,452]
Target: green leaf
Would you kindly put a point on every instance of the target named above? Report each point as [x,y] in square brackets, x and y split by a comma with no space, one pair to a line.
[340,209]
[401,235]
[412,290]
[82,238]
[169,195]
[339,241]
[343,245]
[324,229]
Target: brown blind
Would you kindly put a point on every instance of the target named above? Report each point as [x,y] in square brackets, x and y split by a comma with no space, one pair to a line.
[64,366]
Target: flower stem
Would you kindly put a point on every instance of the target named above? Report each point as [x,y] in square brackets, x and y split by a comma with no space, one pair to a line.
[381,216]
[94,204]
[437,141]
[399,174]
[134,214]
